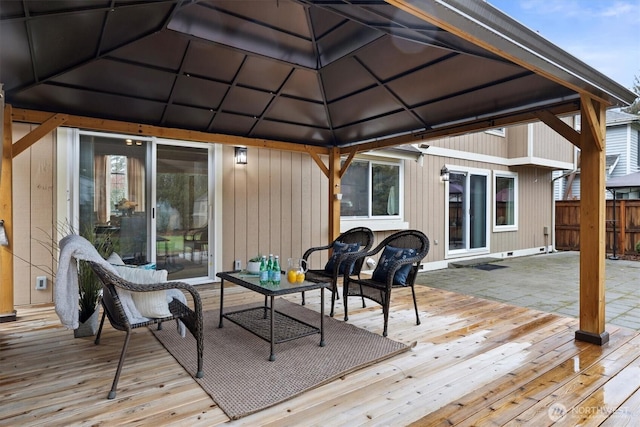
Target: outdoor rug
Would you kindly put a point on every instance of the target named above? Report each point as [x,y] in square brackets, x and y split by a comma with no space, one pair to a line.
[241,380]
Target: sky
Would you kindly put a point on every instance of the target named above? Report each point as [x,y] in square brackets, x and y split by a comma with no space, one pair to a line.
[604,34]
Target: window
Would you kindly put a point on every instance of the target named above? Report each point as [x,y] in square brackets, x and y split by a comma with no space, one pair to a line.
[505,210]
[497,132]
[371,189]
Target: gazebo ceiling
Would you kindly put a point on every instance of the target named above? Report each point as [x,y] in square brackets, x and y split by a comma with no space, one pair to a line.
[326,73]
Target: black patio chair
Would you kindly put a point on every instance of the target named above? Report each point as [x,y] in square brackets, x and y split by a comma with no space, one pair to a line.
[398,265]
[113,309]
[356,240]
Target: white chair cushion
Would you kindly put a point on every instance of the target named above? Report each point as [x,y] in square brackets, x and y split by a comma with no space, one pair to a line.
[148,304]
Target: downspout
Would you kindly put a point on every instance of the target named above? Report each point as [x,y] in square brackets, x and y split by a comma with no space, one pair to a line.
[553,201]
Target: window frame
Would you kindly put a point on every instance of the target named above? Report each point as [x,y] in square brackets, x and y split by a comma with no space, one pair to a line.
[497,131]
[505,227]
[378,222]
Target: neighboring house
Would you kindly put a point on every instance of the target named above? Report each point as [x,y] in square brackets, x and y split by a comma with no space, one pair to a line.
[622,155]
[475,195]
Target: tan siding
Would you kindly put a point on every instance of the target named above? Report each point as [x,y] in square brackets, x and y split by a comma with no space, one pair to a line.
[481,143]
[21,221]
[424,195]
[277,203]
[550,145]
[33,189]
[518,141]
[534,212]
[42,213]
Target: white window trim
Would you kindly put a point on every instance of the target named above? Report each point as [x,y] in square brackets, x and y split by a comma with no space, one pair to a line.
[379,223]
[497,131]
[511,227]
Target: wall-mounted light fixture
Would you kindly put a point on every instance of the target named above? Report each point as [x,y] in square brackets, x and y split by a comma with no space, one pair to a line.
[444,174]
[241,155]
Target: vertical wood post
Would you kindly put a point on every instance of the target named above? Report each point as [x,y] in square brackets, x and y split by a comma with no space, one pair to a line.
[622,226]
[7,311]
[334,188]
[592,223]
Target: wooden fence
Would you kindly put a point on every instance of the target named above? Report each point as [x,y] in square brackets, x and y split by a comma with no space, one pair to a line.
[627,225]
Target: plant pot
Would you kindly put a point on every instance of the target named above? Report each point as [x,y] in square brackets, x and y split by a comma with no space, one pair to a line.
[88,328]
[253,267]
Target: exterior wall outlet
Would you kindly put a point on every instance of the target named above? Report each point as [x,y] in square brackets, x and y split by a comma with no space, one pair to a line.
[41,283]
[237,264]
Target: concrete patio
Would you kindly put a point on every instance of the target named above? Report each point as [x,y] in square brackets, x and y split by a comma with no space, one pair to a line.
[547,282]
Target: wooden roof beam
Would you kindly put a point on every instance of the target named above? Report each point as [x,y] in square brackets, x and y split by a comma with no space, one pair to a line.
[559,126]
[38,133]
[89,123]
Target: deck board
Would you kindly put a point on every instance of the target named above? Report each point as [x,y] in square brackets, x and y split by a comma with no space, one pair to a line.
[473,362]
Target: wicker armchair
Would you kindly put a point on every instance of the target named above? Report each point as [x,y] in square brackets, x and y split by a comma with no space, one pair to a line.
[360,235]
[113,309]
[389,273]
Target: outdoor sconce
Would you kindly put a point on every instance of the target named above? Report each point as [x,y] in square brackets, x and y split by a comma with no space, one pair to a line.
[241,156]
[444,174]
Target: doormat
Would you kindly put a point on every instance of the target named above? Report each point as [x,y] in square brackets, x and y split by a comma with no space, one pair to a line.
[489,267]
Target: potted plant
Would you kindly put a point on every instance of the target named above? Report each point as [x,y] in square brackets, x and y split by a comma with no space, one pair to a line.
[253,265]
[90,290]
[90,287]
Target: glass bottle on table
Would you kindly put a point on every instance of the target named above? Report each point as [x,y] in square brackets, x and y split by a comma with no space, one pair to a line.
[264,273]
[269,269]
[275,271]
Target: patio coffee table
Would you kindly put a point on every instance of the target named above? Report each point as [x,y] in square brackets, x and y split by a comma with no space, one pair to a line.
[265,321]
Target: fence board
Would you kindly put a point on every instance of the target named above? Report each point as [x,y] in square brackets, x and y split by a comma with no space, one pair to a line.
[626,222]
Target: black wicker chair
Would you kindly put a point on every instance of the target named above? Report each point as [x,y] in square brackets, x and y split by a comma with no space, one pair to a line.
[192,318]
[360,235]
[378,287]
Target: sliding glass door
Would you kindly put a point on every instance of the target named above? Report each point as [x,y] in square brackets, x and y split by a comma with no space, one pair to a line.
[113,201]
[182,205]
[467,207]
[147,201]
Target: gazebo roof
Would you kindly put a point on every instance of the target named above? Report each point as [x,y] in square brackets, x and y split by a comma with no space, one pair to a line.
[630,181]
[325,73]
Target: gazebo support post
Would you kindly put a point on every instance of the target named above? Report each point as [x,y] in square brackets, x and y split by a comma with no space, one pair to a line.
[592,223]
[334,191]
[7,309]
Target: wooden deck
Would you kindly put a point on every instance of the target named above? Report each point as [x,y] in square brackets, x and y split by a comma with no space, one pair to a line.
[476,362]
